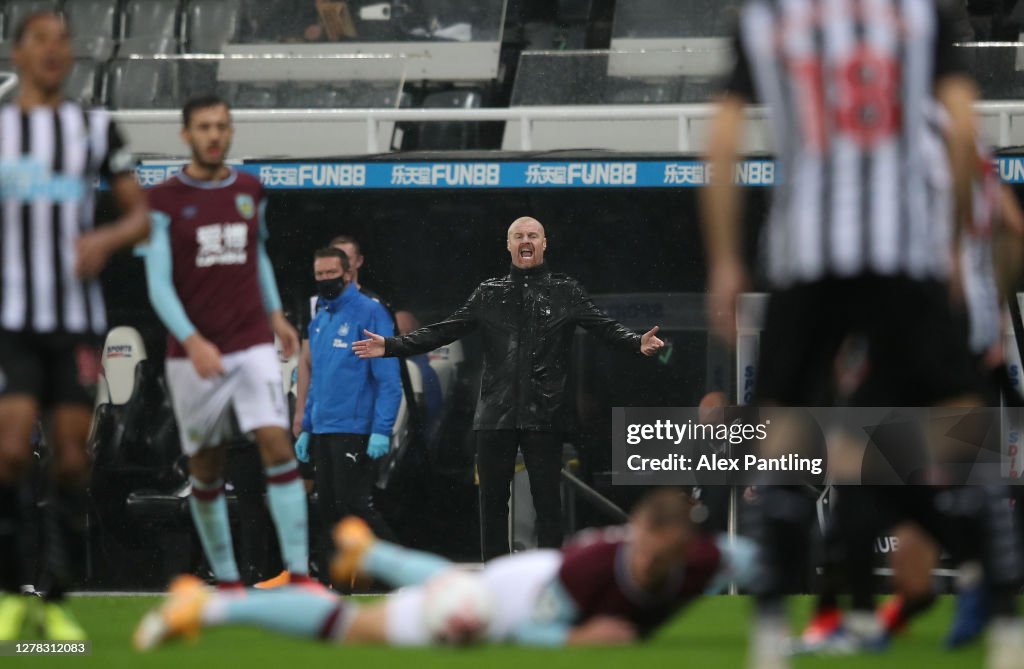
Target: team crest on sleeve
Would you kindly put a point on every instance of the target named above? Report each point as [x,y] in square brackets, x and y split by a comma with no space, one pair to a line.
[246,206]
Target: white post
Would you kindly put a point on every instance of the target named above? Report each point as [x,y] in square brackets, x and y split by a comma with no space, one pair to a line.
[1004,128]
[372,145]
[526,133]
[684,132]
[750,310]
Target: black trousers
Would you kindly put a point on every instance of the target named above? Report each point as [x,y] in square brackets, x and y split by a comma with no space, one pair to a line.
[496,461]
[345,475]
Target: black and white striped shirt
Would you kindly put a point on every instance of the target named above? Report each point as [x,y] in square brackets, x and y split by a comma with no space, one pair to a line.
[50,159]
[850,84]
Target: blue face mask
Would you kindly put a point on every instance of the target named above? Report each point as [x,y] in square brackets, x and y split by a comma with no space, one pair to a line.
[330,288]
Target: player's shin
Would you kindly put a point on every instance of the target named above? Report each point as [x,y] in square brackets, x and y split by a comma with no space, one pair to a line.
[210,513]
[287,501]
[9,538]
[401,566]
[65,526]
[290,612]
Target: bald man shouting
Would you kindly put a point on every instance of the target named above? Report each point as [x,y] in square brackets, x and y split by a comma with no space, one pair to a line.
[527,319]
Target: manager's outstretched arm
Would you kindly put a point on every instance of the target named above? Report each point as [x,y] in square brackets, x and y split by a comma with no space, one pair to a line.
[591,318]
[427,338]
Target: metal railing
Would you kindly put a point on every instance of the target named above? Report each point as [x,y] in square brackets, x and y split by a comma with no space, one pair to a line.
[683,115]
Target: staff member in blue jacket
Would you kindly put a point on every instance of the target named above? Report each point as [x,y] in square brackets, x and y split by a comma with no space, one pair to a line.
[351,405]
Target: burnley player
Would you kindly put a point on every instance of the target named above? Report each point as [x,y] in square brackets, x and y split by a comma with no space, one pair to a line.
[212,284]
[610,586]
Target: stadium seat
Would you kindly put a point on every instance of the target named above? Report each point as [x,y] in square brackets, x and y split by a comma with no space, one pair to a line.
[152,22]
[374,96]
[638,92]
[123,350]
[82,83]
[17,10]
[257,96]
[670,18]
[97,48]
[446,135]
[314,95]
[210,24]
[135,439]
[698,89]
[141,84]
[92,17]
[574,11]
[147,45]
[7,68]
[197,77]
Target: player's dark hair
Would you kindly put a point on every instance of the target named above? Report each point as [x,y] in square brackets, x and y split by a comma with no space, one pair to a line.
[26,23]
[665,507]
[331,252]
[346,239]
[201,102]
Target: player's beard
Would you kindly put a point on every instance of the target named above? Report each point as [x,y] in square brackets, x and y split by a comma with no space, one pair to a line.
[209,165]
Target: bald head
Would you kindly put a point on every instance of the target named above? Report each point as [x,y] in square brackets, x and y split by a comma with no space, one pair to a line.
[712,408]
[526,242]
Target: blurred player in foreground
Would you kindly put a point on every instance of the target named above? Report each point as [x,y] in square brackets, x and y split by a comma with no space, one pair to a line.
[859,243]
[990,261]
[212,284]
[610,586]
[52,315]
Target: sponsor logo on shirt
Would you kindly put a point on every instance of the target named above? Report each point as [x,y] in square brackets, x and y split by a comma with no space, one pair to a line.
[222,244]
[26,179]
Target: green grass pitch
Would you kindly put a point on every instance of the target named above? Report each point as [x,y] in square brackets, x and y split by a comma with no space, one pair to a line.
[710,635]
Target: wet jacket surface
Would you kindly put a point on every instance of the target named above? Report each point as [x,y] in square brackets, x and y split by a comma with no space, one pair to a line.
[527,320]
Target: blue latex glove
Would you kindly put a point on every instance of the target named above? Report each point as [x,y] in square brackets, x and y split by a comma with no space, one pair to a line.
[379,446]
[302,447]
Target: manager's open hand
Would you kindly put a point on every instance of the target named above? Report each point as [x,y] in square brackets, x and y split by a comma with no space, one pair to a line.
[369,348]
[649,343]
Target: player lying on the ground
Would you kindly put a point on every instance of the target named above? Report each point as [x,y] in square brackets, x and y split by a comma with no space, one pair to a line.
[609,586]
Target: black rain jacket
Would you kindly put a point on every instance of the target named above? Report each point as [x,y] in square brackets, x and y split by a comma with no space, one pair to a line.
[527,319]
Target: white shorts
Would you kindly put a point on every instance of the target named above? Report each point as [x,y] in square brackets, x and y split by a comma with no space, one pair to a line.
[250,386]
[517,582]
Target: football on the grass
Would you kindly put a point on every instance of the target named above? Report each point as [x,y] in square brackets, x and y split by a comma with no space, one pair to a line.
[457,608]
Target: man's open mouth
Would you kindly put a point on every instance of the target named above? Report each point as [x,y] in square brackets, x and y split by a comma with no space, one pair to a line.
[525,251]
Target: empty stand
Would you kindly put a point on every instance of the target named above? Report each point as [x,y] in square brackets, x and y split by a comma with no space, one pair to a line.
[210,24]
[84,82]
[142,84]
[17,10]
[150,26]
[447,135]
